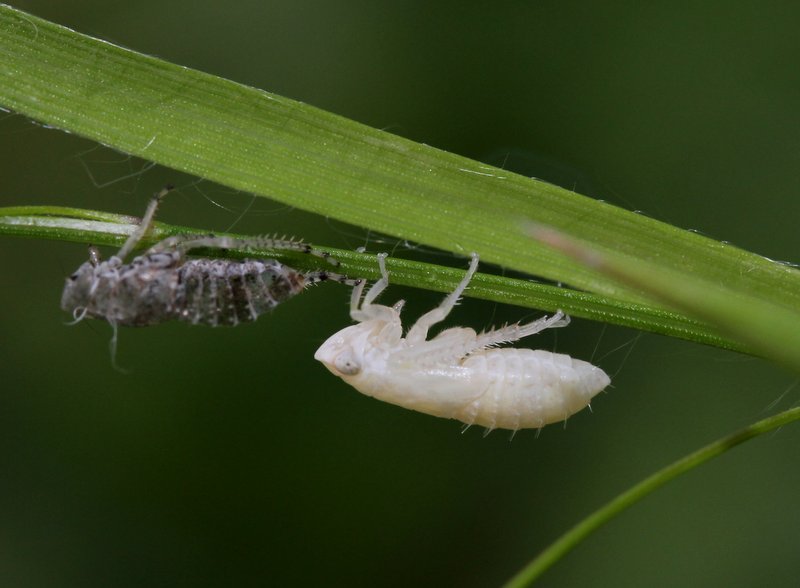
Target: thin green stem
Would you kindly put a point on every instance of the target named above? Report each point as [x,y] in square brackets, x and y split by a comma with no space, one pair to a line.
[582,530]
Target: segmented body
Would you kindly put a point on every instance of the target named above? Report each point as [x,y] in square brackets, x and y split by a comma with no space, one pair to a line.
[458,374]
[526,388]
[165,284]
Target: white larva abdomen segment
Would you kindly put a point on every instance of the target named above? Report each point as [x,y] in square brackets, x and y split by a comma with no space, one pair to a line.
[529,388]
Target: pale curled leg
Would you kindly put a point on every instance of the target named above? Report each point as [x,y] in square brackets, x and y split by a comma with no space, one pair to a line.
[419,331]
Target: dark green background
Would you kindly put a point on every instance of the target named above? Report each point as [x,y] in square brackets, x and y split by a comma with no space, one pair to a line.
[231,458]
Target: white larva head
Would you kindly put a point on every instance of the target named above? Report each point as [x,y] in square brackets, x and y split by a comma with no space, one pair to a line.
[356,352]
[340,355]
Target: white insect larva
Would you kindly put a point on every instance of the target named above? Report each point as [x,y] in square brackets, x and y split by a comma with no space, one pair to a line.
[458,374]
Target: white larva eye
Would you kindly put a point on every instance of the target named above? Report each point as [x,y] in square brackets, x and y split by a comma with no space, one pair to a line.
[346,364]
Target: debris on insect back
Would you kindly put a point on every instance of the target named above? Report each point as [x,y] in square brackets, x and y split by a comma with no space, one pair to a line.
[165,284]
[459,373]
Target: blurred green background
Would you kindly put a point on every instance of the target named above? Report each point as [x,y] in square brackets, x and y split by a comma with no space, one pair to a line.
[231,458]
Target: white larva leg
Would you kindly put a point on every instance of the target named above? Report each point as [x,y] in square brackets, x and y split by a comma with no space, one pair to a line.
[511,333]
[379,286]
[355,300]
[144,226]
[419,331]
[367,310]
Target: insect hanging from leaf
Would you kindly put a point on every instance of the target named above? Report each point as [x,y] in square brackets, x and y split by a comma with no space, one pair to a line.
[458,374]
[166,284]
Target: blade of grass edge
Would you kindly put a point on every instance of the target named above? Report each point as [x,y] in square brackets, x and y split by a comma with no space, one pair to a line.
[568,541]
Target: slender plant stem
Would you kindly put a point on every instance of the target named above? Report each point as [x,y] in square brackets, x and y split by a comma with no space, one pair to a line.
[582,530]
[101,228]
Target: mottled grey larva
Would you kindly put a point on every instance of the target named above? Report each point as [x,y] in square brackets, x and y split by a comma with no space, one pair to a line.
[165,284]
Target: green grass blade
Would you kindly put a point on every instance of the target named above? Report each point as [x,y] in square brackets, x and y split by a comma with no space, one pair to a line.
[597,519]
[98,228]
[297,154]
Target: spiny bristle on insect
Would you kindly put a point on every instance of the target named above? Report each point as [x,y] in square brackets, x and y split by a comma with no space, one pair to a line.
[512,328]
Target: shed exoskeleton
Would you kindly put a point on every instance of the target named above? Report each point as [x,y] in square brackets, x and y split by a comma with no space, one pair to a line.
[164,283]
